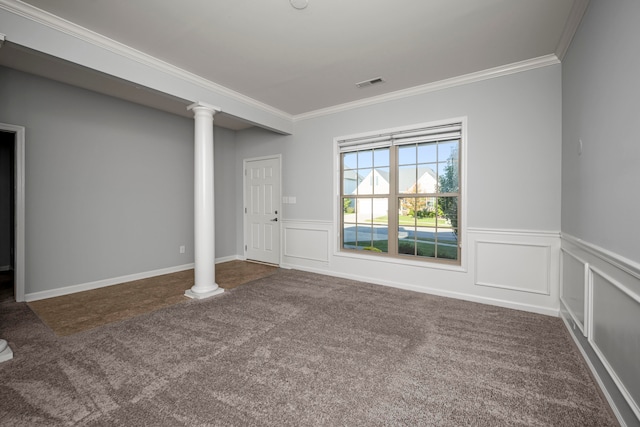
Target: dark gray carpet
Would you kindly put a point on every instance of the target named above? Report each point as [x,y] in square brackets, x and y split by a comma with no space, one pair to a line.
[298,348]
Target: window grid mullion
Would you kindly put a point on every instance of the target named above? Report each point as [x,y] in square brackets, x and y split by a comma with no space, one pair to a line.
[393,203]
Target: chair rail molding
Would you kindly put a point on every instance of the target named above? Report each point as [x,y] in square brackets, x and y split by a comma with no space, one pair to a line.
[600,295]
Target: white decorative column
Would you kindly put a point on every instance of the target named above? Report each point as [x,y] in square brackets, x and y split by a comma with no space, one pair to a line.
[204,234]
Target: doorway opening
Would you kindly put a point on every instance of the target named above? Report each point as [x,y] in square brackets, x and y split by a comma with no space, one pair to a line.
[7,215]
[12,218]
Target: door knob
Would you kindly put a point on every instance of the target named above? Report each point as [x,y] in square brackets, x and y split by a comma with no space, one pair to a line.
[275,219]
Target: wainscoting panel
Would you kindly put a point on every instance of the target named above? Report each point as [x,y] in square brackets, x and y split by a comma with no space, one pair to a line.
[611,317]
[510,268]
[306,240]
[519,266]
[615,333]
[574,287]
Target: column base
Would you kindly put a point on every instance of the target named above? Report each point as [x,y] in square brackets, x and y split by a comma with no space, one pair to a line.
[5,351]
[202,295]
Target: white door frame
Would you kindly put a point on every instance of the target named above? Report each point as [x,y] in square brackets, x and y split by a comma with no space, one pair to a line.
[19,259]
[244,200]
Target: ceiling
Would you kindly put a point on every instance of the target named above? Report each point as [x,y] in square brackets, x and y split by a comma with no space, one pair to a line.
[300,61]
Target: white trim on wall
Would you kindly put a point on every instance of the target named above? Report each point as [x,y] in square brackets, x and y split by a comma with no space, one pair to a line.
[585,277]
[425,277]
[499,302]
[617,261]
[306,240]
[620,274]
[512,232]
[306,245]
[65,27]
[52,21]
[35,296]
[575,17]
[504,70]
[229,259]
[513,266]
[594,372]
[615,375]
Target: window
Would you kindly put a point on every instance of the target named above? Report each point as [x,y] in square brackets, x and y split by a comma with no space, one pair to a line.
[400,193]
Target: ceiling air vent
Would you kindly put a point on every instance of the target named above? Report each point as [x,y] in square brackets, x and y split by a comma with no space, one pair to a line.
[370,82]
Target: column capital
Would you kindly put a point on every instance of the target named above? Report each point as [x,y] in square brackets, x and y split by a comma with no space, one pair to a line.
[204,106]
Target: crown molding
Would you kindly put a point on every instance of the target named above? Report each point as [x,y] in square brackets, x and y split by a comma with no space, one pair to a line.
[59,24]
[504,70]
[578,10]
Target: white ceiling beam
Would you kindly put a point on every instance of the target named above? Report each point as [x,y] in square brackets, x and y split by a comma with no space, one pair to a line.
[31,27]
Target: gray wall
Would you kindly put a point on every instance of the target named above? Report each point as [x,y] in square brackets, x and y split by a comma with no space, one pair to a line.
[600,206]
[226,213]
[109,184]
[600,106]
[513,184]
[514,125]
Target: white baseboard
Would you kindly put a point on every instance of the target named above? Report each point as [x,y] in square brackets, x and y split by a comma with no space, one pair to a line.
[594,372]
[517,269]
[431,291]
[229,258]
[35,296]
[601,297]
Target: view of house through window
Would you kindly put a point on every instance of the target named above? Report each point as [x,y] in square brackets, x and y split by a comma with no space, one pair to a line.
[400,193]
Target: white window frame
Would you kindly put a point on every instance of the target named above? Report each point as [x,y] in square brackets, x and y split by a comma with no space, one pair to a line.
[462,226]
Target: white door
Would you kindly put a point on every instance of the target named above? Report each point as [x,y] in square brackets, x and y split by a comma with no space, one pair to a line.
[262,210]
